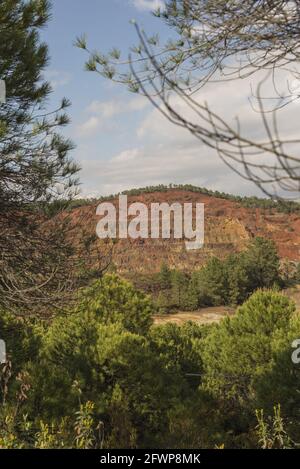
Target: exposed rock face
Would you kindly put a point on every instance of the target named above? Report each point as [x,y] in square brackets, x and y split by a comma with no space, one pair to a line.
[228,228]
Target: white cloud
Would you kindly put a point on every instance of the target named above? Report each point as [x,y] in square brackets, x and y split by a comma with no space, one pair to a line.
[104,112]
[57,78]
[228,100]
[148,4]
[164,153]
[126,155]
[109,109]
[161,163]
[89,127]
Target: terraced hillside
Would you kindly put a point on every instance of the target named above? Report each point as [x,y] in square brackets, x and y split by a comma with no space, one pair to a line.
[229,225]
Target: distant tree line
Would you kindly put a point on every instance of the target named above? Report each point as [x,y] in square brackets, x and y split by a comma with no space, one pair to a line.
[284,206]
[219,282]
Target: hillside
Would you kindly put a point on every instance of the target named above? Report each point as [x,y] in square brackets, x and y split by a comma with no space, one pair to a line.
[229,225]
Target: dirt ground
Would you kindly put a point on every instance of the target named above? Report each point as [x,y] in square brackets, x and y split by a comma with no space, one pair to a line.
[202,316]
[215,313]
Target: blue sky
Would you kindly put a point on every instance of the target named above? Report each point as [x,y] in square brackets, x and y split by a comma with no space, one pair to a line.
[122,142]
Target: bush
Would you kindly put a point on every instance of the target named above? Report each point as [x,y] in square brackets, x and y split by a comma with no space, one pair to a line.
[113,300]
[21,338]
[240,350]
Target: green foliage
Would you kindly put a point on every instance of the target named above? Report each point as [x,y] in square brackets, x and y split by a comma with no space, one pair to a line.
[219,282]
[102,375]
[297,274]
[85,437]
[281,381]
[93,380]
[177,346]
[233,280]
[100,357]
[22,338]
[213,283]
[35,162]
[239,282]
[165,277]
[262,262]
[272,435]
[35,154]
[240,350]
[49,436]
[122,434]
[114,300]
[163,302]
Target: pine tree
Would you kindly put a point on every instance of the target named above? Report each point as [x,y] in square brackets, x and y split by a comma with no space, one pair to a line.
[165,276]
[213,283]
[163,302]
[192,295]
[263,263]
[35,164]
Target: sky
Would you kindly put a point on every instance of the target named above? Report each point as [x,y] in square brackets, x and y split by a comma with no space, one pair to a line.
[121,141]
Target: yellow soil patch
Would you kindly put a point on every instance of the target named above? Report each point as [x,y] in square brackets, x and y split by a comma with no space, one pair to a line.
[202,316]
[215,313]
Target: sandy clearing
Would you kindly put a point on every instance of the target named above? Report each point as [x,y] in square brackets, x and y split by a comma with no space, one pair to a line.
[202,316]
